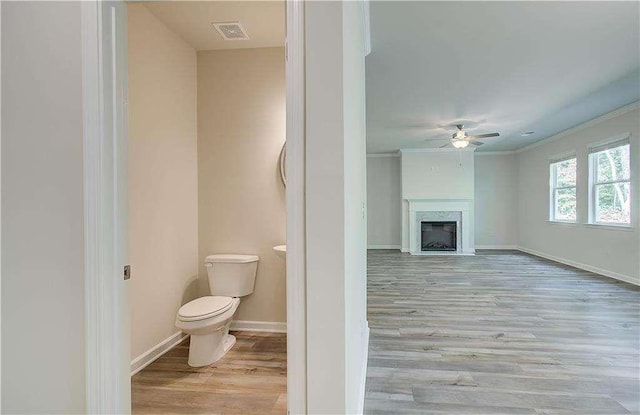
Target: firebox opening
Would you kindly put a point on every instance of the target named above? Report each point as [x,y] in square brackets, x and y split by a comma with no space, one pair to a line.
[439,236]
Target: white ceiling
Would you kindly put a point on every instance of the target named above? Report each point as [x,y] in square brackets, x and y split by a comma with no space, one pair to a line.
[264,22]
[508,67]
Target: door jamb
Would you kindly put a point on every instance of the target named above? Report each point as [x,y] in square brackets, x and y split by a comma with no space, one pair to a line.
[296,219]
[103,353]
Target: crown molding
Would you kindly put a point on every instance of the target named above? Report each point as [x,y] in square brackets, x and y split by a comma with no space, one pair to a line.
[594,121]
[495,153]
[437,150]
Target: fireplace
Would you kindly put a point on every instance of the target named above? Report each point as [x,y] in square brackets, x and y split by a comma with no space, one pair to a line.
[459,212]
[438,236]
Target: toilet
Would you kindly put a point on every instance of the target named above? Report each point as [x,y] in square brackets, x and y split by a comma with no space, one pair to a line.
[207,319]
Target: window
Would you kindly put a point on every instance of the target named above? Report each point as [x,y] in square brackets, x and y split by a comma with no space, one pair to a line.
[610,192]
[563,189]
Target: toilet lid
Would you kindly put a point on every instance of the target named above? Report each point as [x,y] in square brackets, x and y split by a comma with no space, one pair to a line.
[204,307]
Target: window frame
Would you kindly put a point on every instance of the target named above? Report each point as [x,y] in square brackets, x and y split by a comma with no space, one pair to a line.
[594,149]
[553,186]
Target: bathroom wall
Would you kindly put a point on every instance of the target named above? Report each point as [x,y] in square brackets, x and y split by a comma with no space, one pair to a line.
[241,129]
[43,310]
[163,192]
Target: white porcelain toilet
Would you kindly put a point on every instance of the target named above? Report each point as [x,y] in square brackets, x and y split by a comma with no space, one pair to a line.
[207,319]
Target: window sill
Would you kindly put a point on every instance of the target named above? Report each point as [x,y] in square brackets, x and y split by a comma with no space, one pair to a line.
[609,226]
[562,222]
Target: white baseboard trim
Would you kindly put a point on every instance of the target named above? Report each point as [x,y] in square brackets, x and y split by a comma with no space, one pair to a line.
[148,357]
[365,361]
[596,270]
[383,247]
[512,247]
[263,326]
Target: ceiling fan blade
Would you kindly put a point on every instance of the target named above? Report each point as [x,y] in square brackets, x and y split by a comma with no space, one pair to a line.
[484,135]
[476,143]
[446,145]
[435,139]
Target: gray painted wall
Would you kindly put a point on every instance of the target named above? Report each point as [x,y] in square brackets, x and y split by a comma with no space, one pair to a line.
[384,205]
[496,202]
[608,249]
[43,336]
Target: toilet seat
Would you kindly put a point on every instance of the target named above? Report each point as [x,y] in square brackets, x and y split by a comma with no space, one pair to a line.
[204,307]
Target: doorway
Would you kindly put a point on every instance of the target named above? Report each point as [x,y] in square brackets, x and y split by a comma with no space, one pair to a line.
[107,342]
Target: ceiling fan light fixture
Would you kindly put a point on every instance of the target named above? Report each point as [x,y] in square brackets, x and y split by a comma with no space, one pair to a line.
[460,143]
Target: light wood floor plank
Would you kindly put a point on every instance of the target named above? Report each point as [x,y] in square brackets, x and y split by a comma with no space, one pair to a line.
[499,333]
[250,379]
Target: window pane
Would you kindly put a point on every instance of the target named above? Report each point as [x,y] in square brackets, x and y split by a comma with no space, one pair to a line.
[613,164]
[613,204]
[566,173]
[565,204]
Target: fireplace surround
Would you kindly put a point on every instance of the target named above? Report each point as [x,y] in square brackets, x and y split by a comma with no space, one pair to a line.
[459,211]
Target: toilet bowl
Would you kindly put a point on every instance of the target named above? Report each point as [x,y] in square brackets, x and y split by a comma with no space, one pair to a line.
[207,319]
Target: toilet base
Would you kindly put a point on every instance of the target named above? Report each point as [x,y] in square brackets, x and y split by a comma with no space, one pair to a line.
[229,341]
[206,349]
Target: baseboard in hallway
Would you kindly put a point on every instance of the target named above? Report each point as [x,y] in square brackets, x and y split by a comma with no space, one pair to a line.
[497,247]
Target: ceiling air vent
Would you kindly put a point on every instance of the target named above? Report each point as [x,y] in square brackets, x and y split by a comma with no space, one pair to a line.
[231,31]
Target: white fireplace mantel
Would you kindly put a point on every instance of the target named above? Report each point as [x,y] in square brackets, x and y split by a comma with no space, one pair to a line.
[417,209]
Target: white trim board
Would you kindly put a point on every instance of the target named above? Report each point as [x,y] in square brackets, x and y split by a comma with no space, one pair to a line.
[107,381]
[364,366]
[151,355]
[383,246]
[469,149]
[0,205]
[489,247]
[259,326]
[596,270]
[495,153]
[296,276]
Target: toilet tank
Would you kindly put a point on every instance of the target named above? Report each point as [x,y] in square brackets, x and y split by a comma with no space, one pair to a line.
[231,275]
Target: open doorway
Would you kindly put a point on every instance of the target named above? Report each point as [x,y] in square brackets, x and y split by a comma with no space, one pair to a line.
[165,167]
[206,126]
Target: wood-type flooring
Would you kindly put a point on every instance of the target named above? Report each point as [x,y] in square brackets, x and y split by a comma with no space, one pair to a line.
[501,332]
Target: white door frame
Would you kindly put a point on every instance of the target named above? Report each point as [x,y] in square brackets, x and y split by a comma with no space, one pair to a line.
[107,378]
[296,217]
[108,384]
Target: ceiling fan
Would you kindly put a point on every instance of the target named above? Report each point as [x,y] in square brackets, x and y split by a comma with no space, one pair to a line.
[460,139]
